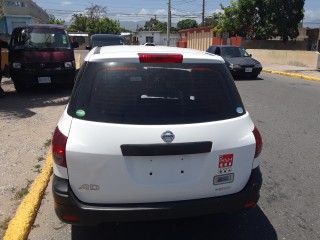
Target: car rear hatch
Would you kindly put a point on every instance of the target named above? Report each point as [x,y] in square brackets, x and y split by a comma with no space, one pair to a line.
[143,133]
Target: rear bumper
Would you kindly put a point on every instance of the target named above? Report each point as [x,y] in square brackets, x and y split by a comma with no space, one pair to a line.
[66,204]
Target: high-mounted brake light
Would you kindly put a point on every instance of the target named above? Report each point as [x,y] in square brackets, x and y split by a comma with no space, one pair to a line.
[259,144]
[59,142]
[160,57]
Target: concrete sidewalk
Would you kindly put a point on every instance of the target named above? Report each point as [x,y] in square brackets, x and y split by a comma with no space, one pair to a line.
[292,70]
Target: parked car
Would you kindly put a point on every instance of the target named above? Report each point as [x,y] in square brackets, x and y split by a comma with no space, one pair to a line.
[148,44]
[99,40]
[238,60]
[153,133]
[41,54]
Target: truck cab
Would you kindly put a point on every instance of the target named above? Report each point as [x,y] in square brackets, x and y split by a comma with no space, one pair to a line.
[41,54]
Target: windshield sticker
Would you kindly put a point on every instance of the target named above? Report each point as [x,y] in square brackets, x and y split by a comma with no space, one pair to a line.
[225,163]
[239,110]
[80,113]
[64,39]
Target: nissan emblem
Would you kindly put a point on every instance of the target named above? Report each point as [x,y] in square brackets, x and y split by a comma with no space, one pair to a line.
[167,136]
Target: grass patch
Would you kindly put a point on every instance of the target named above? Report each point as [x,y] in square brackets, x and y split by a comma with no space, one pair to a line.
[13,189]
[38,168]
[47,143]
[5,223]
[40,159]
[23,191]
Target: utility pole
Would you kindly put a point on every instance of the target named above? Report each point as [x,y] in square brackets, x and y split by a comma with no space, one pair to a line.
[169,23]
[203,7]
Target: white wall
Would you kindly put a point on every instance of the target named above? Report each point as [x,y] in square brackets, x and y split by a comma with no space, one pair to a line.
[158,38]
[143,35]
[309,59]
[174,38]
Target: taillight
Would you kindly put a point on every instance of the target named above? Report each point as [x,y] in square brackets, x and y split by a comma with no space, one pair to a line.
[249,204]
[160,58]
[70,218]
[258,138]
[59,142]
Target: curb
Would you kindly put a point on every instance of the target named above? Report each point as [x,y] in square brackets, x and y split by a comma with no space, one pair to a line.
[292,75]
[20,226]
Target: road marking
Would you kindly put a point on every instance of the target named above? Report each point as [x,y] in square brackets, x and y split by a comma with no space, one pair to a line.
[292,75]
[20,226]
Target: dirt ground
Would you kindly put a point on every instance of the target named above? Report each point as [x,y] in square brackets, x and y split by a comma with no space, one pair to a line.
[27,122]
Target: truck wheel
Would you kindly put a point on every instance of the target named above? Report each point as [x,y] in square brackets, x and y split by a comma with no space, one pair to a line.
[19,86]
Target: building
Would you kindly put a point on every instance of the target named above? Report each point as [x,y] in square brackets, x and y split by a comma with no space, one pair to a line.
[20,12]
[201,38]
[155,37]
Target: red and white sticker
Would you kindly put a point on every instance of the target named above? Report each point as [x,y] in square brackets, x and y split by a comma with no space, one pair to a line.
[225,163]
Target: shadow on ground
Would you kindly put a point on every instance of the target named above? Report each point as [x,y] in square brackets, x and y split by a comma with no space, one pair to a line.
[20,104]
[249,225]
[238,78]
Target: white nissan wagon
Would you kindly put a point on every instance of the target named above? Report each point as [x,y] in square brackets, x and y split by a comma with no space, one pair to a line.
[153,133]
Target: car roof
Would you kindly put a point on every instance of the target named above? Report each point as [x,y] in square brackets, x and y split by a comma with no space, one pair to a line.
[105,36]
[55,26]
[129,53]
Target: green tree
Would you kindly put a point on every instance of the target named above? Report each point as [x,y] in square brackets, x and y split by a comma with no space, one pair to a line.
[209,22]
[94,20]
[187,24]
[79,23]
[54,20]
[106,25]
[228,21]
[286,16]
[261,19]
[155,25]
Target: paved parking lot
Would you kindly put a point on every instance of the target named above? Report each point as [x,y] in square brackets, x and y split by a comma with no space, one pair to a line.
[286,110]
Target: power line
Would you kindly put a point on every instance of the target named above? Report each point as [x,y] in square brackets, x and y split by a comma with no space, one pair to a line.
[130,14]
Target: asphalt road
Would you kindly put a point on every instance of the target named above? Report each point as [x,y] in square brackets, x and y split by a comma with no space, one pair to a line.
[287,113]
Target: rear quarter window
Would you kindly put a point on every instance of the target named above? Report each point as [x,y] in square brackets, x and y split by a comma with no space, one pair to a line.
[151,94]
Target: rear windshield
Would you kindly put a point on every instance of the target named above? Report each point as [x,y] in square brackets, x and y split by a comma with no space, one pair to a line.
[155,93]
[99,42]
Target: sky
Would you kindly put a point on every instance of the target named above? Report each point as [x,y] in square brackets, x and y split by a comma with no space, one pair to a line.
[143,10]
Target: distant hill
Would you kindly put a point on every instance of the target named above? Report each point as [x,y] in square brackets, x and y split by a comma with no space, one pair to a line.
[130,25]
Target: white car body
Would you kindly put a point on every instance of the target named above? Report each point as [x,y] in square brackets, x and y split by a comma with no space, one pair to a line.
[99,172]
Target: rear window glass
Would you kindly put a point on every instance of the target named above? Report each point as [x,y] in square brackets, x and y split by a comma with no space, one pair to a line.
[155,94]
[99,42]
